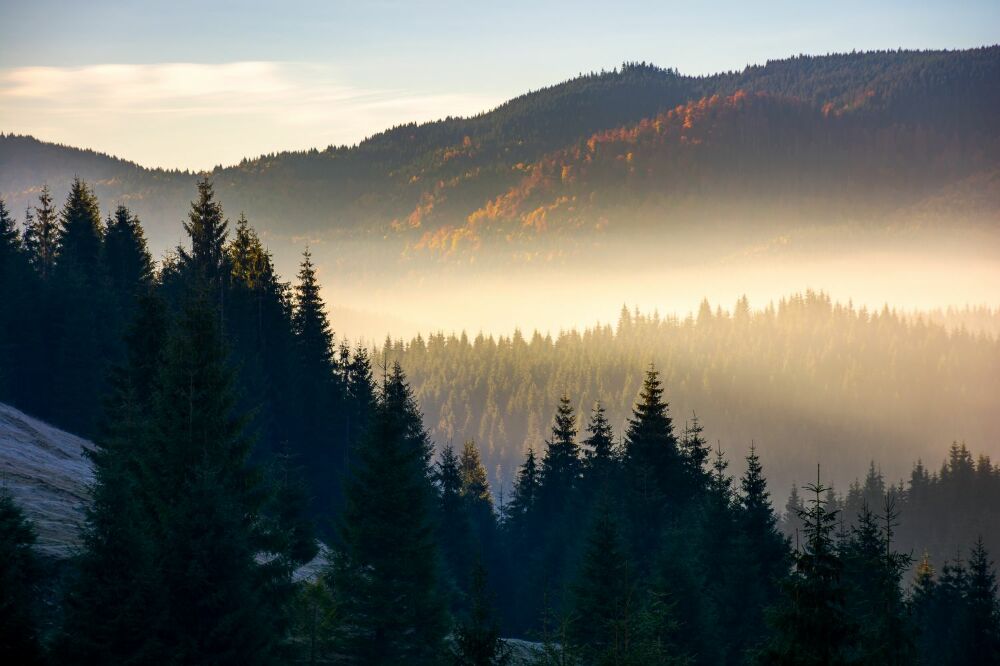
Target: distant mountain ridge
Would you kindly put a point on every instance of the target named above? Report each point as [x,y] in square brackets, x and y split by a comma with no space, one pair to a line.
[419,184]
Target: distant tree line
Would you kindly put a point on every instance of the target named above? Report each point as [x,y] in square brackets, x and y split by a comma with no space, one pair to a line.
[636,547]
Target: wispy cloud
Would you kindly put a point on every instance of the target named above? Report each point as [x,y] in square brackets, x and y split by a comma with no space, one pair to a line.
[197,115]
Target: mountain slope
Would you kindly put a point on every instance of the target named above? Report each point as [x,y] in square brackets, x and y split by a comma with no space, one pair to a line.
[414,181]
[47,473]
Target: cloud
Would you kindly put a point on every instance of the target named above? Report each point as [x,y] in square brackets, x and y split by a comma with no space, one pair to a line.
[197,115]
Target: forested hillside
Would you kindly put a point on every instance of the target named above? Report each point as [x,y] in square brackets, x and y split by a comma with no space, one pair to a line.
[809,380]
[230,430]
[882,130]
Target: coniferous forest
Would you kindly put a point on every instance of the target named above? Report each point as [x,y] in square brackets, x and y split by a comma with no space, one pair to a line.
[266,493]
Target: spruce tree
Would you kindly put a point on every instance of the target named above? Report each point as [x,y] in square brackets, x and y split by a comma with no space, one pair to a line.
[523,503]
[872,573]
[19,573]
[810,624]
[17,287]
[126,255]
[983,607]
[386,574]
[41,234]
[207,230]
[477,638]
[652,465]
[81,234]
[600,457]
[317,390]
[453,524]
[766,557]
[207,500]
[86,331]
[604,600]
[115,608]
[561,465]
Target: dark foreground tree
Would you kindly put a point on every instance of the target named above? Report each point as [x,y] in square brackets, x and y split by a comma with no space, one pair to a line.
[385,573]
[477,638]
[810,626]
[18,571]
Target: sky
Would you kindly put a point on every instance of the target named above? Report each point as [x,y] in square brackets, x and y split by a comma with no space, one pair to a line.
[193,84]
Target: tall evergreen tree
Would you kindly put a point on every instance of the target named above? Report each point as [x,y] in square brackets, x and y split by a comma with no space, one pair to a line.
[810,625]
[81,234]
[126,255]
[207,229]
[318,391]
[983,607]
[652,465]
[872,573]
[561,465]
[453,524]
[207,501]
[116,606]
[19,569]
[41,234]
[600,457]
[386,572]
[766,557]
[605,603]
[477,638]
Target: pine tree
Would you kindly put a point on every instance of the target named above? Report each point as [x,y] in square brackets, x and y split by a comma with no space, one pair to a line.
[522,504]
[16,290]
[453,524]
[207,229]
[600,457]
[652,465]
[126,255]
[41,234]
[765,550]
[604,599]
[81,235]
[477,499]
[207,501]
[386,572]
[86,331]
[116,605]
[983,607]
[561,465]
[477,639]
[317,389]
[695,451]
[872,573]
[810,625]
[19,570]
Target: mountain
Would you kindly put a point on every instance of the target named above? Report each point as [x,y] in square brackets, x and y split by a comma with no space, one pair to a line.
[858,136]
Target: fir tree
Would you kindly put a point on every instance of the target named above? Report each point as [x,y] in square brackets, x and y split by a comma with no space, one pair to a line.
[207,229]
[19,569]
[81,234]
[477,638]
[765,550]
[599,455]
[115,608]
[453,525]
[983,607]
[41,234]
[872,573]
[810,624]
[386,572]
[126,255]
[207,500]
[652,465]
[561,465]
[605,607]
